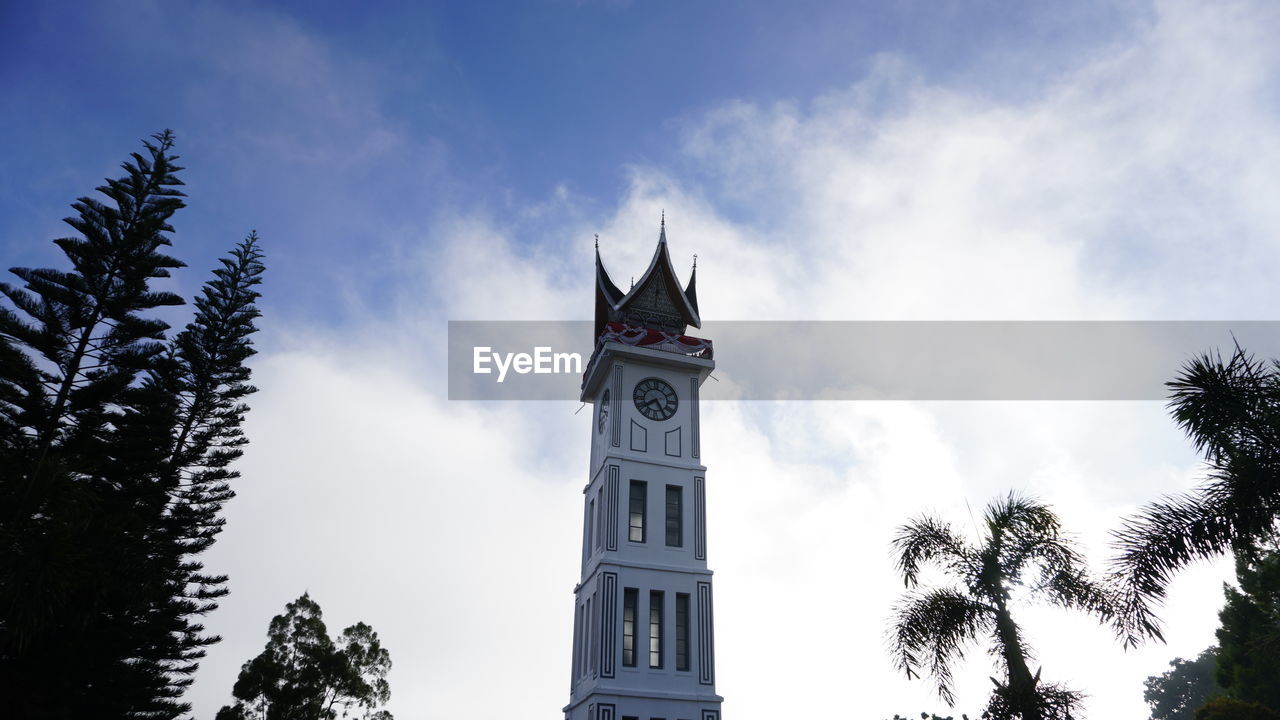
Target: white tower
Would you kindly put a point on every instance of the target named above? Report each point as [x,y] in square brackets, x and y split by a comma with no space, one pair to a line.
[643,647]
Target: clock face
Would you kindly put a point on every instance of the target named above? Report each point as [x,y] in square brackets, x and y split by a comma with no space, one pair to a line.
[655,399]
[604,412]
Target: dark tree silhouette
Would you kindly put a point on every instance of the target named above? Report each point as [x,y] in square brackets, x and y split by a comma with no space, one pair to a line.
[1226,708]
[304,675]
[1022,547]
[1231,412]
[115,446]
[1249,636]
[1186,685]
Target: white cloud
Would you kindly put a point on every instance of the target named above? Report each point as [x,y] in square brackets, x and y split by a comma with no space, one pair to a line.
[433,522]
[1136,185]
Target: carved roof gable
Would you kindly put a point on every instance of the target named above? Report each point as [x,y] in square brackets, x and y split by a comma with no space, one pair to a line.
[656,301]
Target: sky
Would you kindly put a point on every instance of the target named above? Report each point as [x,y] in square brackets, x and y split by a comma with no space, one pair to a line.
[407,164]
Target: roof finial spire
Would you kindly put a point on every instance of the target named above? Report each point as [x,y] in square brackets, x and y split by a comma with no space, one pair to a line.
[597,241]
[662,228]
[695,261]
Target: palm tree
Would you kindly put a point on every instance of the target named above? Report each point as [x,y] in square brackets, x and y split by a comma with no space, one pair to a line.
[1231,412]
[1021,537]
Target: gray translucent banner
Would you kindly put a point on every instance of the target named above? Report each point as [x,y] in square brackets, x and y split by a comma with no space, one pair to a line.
[891,360]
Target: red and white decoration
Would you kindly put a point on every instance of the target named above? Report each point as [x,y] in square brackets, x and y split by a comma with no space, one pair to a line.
[637,336]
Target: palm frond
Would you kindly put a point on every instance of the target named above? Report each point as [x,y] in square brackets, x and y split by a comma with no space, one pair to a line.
[923,541]
[1160,539]
[1063,577]
[930,630]
[1230,410]
[1227,407]
[1016,513]
[1054,702]
[1077,590]
[1023,530]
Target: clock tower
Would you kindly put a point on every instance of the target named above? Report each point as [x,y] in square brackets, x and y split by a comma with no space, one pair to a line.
[643,645]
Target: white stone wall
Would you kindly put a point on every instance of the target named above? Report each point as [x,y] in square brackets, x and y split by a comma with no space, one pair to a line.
[660,453]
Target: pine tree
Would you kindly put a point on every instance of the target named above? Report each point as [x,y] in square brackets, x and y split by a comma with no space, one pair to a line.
[114,453]
[1249,659]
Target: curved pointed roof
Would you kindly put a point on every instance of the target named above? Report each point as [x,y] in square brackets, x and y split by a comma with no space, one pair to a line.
[656,300]
[607,295]
[691,290]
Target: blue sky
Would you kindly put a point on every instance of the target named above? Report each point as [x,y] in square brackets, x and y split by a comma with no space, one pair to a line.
[407,164]
[326,125]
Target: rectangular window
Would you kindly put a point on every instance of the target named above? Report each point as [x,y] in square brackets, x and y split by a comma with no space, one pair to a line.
[591,515]
[586,531]
[638,491]
[599,519]
[629,626]
[682,631]
[582,645]
[675,514]
[591,635]
[577,641]
[655,628]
